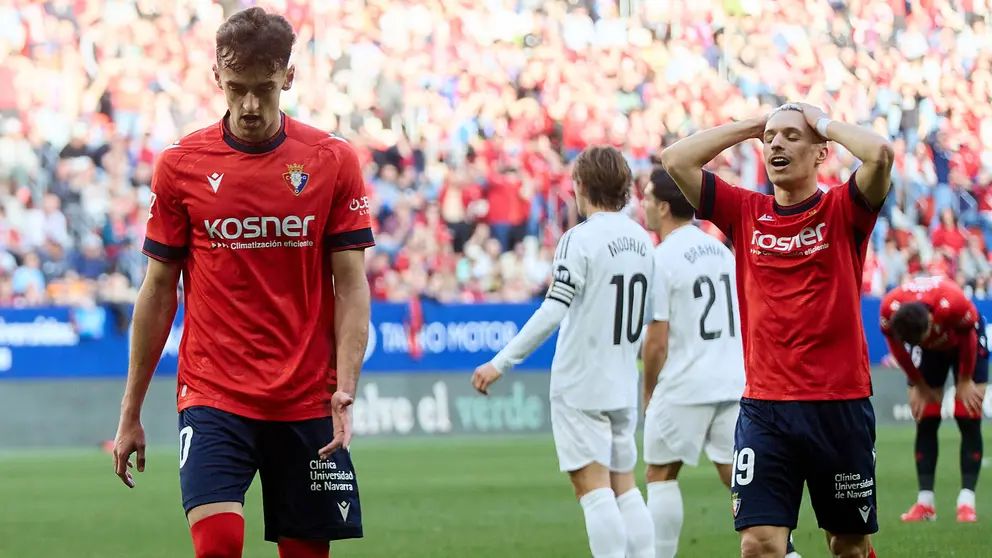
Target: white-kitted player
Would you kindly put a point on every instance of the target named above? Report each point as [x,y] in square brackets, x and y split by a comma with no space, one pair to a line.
[692,356]
[600,296]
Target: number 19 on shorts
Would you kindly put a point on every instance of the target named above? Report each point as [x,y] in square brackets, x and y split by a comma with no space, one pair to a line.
[743,472]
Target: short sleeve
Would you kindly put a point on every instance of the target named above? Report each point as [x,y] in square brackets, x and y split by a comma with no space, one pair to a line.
[660,291]
[961,312]
[858,209]
[569,271]
[349,224]
[167,232]
[889,305]
[720,203]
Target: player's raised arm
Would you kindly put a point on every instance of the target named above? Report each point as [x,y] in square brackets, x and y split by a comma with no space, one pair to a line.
[874,151]
[685,159]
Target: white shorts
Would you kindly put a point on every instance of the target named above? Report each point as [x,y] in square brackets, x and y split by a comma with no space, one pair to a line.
[584,437]
[675,432]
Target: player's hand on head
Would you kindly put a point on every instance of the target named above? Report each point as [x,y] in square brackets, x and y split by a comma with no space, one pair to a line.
[341,403]
[130,439]
[970,396]
[812,113]
[484,376]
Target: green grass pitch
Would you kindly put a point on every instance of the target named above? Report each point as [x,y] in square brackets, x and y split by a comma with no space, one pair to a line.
[452,497]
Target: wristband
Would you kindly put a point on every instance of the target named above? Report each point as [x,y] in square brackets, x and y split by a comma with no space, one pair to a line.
[821,126]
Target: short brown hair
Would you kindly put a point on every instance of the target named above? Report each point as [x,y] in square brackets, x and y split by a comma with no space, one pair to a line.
[605,177]
[252,38]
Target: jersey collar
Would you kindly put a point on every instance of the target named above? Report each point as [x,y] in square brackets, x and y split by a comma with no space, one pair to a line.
[801,207]
[254,148]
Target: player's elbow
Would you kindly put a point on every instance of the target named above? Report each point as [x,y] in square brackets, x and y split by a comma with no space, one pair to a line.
[882,154]
[673,160]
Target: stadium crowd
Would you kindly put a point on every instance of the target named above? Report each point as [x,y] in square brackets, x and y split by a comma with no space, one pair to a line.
[466,115]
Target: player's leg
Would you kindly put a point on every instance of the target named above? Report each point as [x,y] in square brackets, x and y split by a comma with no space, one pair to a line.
[766,478]
[673,435]
[308,502]
[840,473]
[934,366]
[583,441]
[634,511]
[970,426]
[216,467]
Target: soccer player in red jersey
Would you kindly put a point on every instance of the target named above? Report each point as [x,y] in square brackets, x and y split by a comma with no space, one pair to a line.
[265,219]
[805,416]
[934,319]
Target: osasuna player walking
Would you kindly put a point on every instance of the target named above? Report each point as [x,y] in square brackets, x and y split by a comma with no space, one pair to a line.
[806,416]
[600,296]
[693,359]
[262,216]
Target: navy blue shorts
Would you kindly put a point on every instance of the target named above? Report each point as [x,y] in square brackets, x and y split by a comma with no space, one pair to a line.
[828,445]
[303,497]
[934,365]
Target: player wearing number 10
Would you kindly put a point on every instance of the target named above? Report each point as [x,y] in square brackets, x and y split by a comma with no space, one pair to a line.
[602,268]
[806,417]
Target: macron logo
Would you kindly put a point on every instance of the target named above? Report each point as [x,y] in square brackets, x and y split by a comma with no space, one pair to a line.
[864,511]
[766,218]
[214,180]
[345,507]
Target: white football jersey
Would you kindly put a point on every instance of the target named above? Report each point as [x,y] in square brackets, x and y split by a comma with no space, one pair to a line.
[695,291]
[603,270]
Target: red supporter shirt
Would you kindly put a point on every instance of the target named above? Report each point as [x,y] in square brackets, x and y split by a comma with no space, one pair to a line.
[254,226]
[953,326]
[799,273]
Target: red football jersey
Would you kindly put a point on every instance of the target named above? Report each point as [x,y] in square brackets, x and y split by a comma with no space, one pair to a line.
[255,226]
[799,271]
[954,315]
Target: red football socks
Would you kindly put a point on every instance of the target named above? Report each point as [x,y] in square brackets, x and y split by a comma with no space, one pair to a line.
[296,548]
[871,553]
[219,536]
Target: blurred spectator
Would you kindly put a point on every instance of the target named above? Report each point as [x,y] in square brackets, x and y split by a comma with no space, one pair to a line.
[466,116]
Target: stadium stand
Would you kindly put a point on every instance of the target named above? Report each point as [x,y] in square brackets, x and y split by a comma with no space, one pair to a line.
[466,115]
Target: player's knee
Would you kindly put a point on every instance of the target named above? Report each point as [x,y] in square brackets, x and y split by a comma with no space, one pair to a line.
[961,412]
[663,473]
[763,542]
[849,546]
[220,535]
[932,412]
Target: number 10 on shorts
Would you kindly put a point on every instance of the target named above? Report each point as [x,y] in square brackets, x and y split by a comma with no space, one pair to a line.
[743,467]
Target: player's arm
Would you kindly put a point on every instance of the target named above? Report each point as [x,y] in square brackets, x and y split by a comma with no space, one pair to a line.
[566,286]
[684,160]
[154,314]
[348,233]
[352,308]
[902,356]
[654,353]
[874,151]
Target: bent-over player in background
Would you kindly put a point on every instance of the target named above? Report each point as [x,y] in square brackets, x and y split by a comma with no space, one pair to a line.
[602,270]
[805,416]
[693,359]
[258,213]
[944,331]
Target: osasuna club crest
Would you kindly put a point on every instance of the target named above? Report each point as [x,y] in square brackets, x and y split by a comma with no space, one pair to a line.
[735,502]
[295,178]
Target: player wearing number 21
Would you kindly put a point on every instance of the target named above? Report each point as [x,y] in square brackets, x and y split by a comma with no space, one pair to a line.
[602,269]
[805,417]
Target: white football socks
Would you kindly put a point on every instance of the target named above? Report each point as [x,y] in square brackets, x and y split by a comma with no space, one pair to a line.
[966,498]
[665,503]
[637,520]
[604,524]
[925,497]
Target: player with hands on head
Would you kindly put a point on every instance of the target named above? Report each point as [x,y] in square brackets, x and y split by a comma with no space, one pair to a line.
[805,417]
[692,354]
[602,268]
[262,217]
[932,328]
